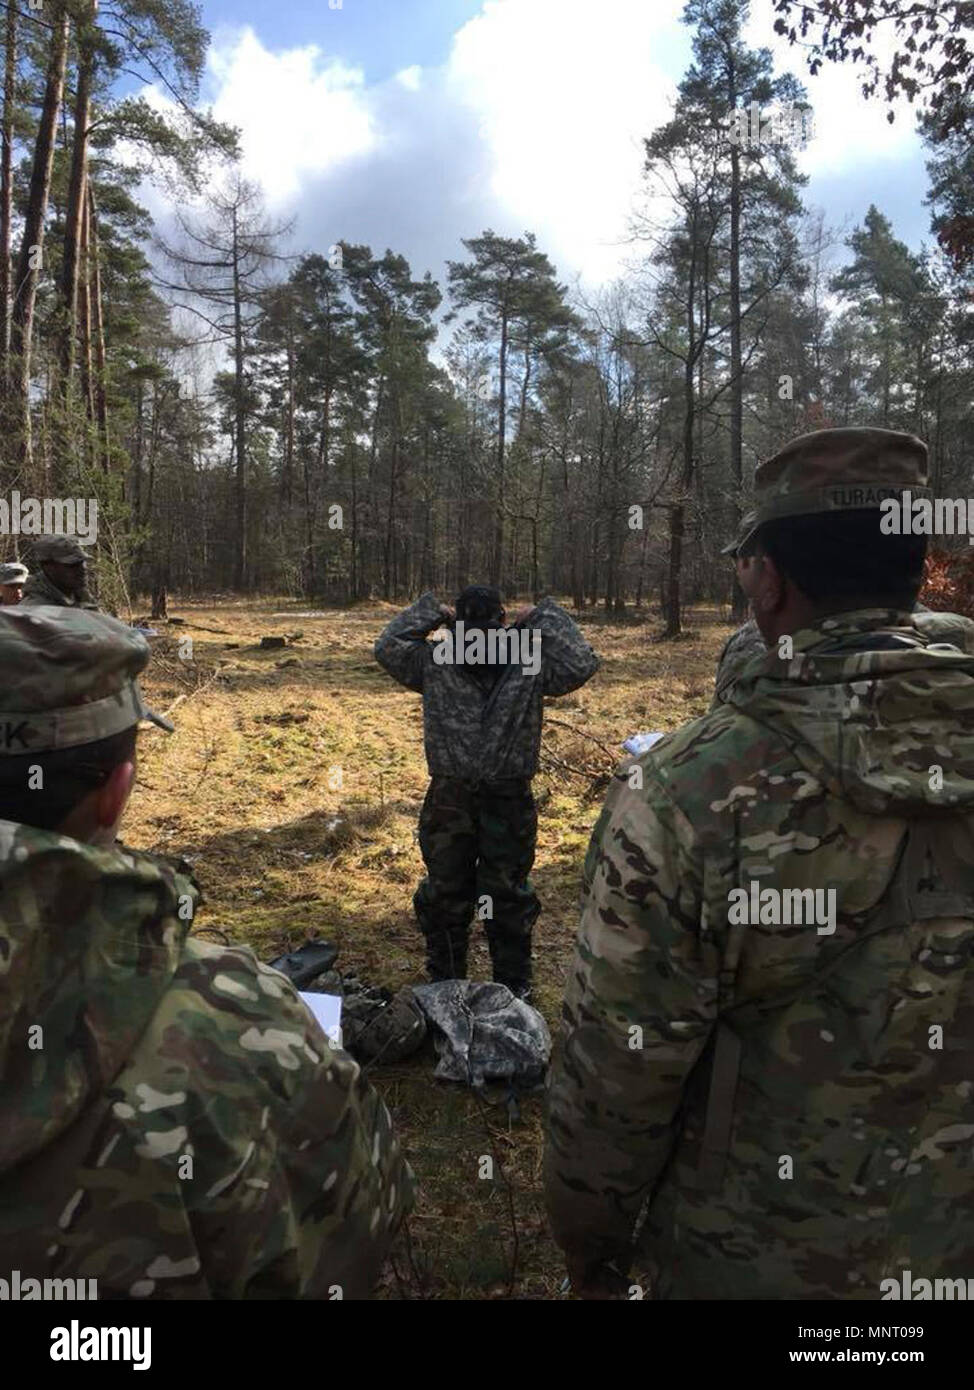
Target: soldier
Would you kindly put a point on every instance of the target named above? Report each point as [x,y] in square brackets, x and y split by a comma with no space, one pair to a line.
[173,1123]
[768,1022]
[61,582]
[482,726]
[12,577]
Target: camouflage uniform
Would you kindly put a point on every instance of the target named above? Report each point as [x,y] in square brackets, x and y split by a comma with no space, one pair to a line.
[767,1097]
[479,842]
[40,589]
[736,652]
[478,825]
[747,643]
[179,1127]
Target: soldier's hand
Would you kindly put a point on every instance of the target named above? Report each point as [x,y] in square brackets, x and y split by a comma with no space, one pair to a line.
[447,612]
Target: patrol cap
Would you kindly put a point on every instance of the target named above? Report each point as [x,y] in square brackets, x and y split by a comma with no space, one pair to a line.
[834,471]
[65,550]
[13,573]
[69,678]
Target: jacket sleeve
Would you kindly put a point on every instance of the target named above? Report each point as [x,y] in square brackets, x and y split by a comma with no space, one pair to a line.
[567,660]
[345,1188]
[639,1007]
[402,649]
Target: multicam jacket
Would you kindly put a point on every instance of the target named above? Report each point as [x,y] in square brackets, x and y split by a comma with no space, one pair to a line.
[39,589]
[746,643]
[850,1114]
[473,733]
[173,1123]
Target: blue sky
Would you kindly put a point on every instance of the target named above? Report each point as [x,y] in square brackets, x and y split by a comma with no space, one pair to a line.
[413,123]
[379,35]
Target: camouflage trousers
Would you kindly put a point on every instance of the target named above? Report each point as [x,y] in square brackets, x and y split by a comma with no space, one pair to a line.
[478,847]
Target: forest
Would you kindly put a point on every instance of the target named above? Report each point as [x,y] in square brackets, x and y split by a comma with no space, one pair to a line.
[339,425]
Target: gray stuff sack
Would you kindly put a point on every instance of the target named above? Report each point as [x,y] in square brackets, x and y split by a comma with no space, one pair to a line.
[483,1033]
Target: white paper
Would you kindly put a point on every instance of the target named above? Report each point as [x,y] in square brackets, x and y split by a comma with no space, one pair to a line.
[327,1009]
[642,743]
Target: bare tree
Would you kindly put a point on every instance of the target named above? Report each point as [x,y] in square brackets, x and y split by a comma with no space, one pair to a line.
[223,259]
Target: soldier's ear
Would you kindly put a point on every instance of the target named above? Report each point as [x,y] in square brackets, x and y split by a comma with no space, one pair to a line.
[113,794]
[772,588]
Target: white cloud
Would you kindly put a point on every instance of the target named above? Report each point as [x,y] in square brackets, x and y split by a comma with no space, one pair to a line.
[298,114]
[553,98]
[850,132]
[565,91]
[410,78]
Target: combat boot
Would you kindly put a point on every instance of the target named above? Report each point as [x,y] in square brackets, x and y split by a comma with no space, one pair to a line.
[520,984]
[446,957]
[511,962]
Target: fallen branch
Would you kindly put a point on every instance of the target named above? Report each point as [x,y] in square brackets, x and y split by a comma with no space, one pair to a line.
[224,632]
[587,773]
[178,701]
[563,724]
[196,690]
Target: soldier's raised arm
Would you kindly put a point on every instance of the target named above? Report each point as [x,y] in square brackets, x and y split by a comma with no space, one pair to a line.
[639,1008]
[567,660]
[402,649]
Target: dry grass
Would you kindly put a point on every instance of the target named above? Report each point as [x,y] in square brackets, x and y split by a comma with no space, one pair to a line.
[246,789]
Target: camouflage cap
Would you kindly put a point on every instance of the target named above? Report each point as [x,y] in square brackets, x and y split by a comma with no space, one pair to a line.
[13,573]
[69,678]
[64,550]
[834,471]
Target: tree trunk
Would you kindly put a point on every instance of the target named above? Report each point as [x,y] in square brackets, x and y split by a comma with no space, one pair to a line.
[32,244]
[98,333]
[738,600]
[695,345]
[309,521]
[240,420]
[76,210]
[138,453]
[497,559]
[353,471]
[84,330]
[6,185]
[674,572]
[289,414]
[387,578]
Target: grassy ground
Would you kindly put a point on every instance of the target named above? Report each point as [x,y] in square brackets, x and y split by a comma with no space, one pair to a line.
[248,789]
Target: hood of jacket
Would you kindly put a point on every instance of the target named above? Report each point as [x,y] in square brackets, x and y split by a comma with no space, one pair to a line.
[876,705]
